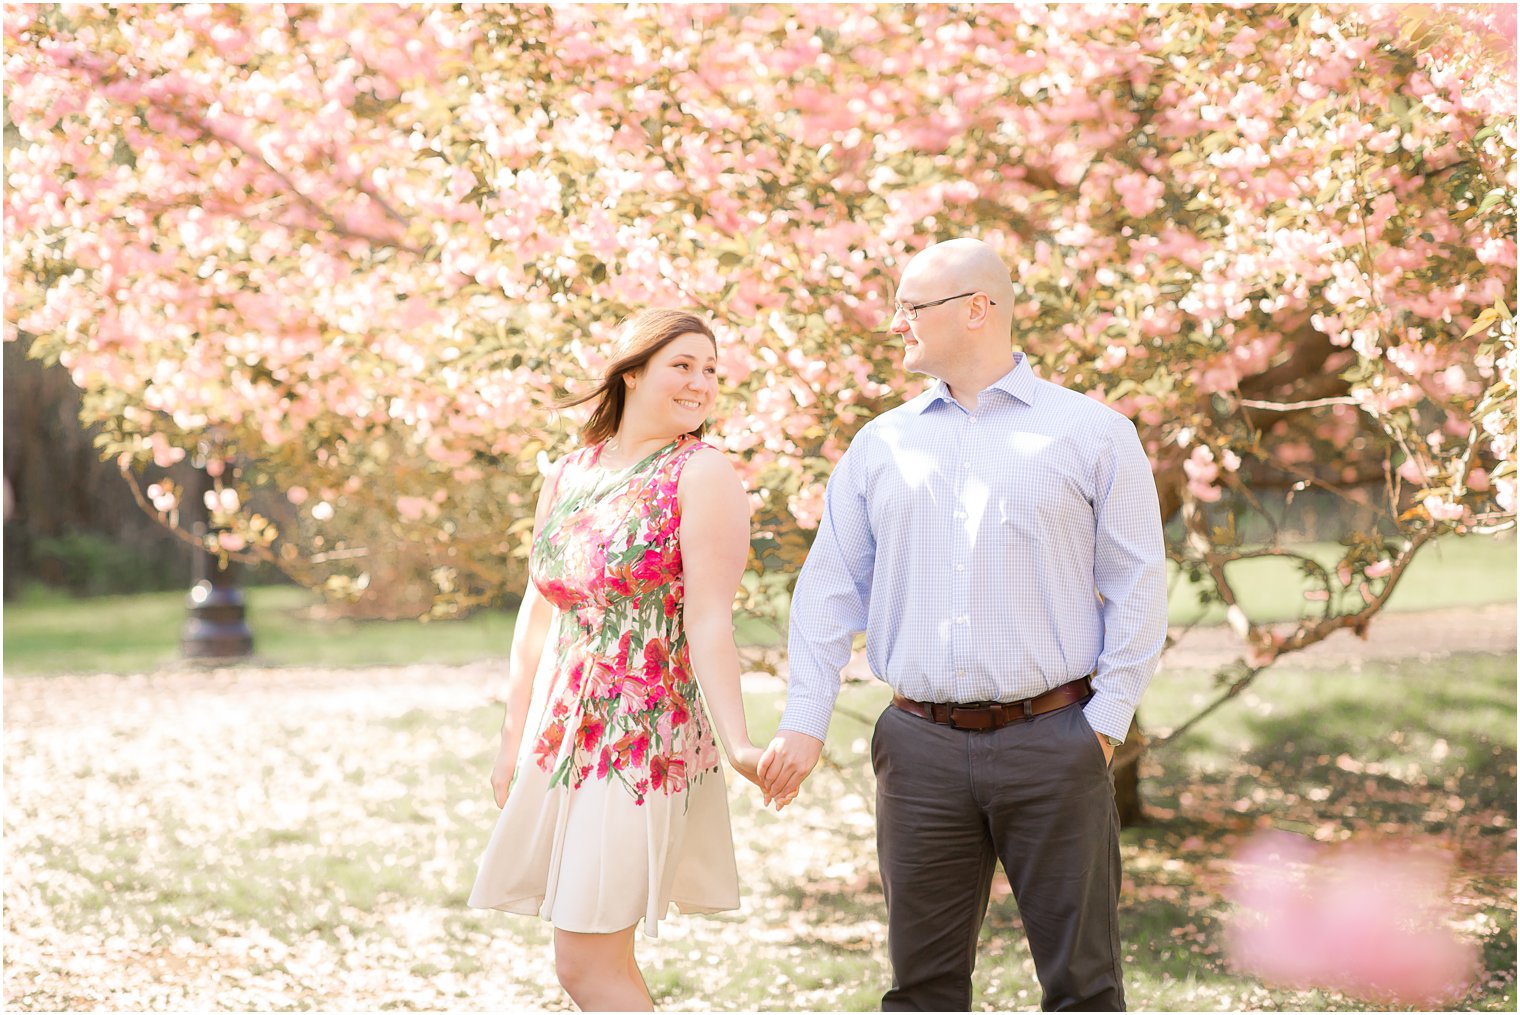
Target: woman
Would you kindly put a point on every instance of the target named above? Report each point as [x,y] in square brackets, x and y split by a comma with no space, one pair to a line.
[613,798]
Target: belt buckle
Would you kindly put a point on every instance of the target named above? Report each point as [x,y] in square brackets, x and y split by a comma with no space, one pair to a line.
[955,725]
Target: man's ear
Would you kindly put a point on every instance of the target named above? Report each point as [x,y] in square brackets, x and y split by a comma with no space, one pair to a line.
[981,311]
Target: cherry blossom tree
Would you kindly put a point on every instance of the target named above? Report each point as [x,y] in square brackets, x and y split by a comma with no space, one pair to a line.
[353,255]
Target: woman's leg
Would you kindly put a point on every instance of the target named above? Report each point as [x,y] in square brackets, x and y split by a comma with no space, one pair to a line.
[599,971]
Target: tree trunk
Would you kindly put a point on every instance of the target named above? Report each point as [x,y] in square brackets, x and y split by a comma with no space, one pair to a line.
[59,487]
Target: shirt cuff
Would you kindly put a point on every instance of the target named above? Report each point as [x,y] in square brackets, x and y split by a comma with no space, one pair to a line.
[1108,716]
[804,723]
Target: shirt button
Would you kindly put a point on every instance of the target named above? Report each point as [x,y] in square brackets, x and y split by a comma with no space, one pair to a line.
[963,620]
[960,567]
[972,418]
[960,673]
[960,515]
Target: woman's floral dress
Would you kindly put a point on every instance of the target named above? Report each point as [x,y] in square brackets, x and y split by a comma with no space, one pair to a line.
[618,807]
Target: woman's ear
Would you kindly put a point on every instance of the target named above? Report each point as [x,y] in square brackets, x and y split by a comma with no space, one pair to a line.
[631,379]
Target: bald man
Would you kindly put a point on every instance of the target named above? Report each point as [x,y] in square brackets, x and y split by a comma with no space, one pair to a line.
[998,538]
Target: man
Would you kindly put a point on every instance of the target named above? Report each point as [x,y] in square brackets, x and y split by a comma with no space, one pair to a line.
[998,538]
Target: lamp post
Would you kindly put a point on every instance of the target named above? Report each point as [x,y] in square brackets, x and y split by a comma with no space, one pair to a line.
[217,627]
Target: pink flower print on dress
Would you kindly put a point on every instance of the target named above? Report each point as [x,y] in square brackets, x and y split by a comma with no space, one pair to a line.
[656,659]
[652,569]
[591,732]
[557,593]
[675,776]
[599,680]
[631,748]
[548,745]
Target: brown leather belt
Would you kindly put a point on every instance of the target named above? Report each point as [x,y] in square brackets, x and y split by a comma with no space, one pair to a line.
[994,715]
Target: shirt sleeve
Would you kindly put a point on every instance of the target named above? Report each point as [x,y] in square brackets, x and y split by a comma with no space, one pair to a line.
[831,601]
[1129,572]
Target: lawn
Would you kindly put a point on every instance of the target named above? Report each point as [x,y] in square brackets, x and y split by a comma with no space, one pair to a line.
[298,839]
[1453,571]
[48,632]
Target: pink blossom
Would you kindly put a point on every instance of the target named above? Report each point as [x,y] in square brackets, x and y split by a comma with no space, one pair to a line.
[1370,921]
[1202,472]
[413,508]
[369,299]
[1443,510]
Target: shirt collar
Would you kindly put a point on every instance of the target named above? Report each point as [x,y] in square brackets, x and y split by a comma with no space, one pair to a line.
[1018,382]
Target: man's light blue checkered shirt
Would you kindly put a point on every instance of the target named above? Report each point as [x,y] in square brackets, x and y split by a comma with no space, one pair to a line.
[988,555]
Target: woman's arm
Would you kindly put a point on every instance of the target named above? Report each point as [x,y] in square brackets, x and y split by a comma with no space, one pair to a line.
[714,550]
[528,635]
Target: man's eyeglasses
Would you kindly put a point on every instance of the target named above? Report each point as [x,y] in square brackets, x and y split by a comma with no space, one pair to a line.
[910,310]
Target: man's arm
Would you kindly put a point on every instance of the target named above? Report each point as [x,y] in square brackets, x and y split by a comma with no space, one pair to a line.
[1129,570]
[829,607]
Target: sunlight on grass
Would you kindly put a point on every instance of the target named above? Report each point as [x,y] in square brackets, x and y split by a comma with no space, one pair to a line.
[306,839]
[1453,571]
[47,632]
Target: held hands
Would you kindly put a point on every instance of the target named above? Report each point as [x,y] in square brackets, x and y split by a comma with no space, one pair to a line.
[745,758]
[785,763]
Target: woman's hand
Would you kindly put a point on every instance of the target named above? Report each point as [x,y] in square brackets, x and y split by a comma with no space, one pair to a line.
[501,772]
[746,761]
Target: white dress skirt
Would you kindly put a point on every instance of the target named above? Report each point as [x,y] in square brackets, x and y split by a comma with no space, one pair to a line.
[590,860]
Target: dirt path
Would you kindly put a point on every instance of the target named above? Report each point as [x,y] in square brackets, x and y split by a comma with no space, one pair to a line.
[1489,629]
[1390,636]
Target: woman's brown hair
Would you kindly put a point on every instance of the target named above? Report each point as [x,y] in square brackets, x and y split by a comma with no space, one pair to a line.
[641,336]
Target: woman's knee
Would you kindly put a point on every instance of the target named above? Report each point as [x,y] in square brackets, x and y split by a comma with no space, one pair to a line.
[574,970]
[589,963]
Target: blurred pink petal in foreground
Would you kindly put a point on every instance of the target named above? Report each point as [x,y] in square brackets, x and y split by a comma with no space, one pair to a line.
[1369,921]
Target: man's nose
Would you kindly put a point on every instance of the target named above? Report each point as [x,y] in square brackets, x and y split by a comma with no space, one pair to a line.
[899,322]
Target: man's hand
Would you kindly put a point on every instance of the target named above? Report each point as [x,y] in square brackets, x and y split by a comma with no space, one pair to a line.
[1108,749]
[785,763]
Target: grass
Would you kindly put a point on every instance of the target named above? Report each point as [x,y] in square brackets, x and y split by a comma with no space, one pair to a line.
[310,845]
[50,632]
[1453,571]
